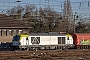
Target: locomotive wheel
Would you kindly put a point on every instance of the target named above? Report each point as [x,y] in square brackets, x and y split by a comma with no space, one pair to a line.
[78,47]
[86,47]
[28,49]
[21,49]
[59,47]
[66,48]
[82,47]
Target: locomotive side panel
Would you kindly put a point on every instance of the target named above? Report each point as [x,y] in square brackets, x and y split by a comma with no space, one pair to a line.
[57,40]
[53,40]
[45,40]
[40,40]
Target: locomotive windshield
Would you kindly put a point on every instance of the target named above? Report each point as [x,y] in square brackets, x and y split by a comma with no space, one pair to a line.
[16,38]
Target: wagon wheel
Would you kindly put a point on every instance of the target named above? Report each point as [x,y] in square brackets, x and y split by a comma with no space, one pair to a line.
[78,47]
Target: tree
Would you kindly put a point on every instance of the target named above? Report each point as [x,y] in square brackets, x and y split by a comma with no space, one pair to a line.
[41,20]
[15,10]
[29,9]
[67,12]
[81,28]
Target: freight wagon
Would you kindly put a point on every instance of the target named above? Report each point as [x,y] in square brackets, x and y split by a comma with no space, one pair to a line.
[43,41]
[81,40]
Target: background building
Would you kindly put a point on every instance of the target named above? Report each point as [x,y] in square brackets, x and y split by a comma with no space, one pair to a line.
[10,27]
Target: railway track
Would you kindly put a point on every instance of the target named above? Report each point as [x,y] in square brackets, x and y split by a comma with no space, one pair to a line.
[46,55]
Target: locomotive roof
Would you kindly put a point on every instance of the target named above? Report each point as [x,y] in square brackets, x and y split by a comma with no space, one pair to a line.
[47,34]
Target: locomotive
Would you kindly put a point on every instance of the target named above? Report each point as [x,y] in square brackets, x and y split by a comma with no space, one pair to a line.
[48,41]
[51,40]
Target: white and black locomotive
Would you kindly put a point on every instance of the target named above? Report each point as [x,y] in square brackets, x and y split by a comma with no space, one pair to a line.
[46,41]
